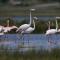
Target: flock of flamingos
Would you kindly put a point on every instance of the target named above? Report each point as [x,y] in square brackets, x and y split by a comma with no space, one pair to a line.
[26,28]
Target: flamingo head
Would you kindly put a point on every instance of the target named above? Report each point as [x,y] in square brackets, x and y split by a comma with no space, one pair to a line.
[35,18]
[57,17]
[32,9]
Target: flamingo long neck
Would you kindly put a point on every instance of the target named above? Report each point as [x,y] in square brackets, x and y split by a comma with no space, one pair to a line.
[34,24]
[8,23]
[56,25]
[30,18]
[49,25]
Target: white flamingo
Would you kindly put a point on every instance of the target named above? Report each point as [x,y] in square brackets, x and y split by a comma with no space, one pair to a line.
[25,26]
[27,31]
[52,31]
[49,32]
[30,29]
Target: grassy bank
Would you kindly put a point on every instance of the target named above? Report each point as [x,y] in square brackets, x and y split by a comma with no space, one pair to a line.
[31,55]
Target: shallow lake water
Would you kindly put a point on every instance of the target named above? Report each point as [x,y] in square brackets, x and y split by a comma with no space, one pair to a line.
[36,41]
[27,41]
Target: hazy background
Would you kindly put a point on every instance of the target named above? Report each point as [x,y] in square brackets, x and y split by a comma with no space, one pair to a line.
[21,7]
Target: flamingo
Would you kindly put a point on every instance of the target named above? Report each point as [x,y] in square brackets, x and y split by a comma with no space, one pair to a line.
[52,31]
[30,29]
[8,28]
[25,26]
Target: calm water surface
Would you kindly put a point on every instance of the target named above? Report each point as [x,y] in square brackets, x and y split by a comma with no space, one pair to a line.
[36,41]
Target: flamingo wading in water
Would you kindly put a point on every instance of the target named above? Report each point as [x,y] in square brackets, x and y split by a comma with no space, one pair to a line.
[8,29]
[30,29]
[25,26]
[50,32]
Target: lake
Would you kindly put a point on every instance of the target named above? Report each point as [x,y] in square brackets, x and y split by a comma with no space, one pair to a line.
[36,41]
[28,41]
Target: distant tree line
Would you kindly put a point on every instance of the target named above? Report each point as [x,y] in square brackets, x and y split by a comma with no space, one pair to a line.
[4,1]
[30,2]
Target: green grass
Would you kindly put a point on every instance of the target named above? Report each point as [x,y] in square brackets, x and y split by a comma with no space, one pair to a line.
[31,55]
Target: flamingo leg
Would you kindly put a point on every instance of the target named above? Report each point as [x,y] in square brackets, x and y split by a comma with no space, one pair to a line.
[22,39]
[6,37]
[0,37]
[19,38]
[49,45]
[28,39]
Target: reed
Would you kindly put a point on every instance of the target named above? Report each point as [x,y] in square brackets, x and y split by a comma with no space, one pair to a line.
[31,55]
